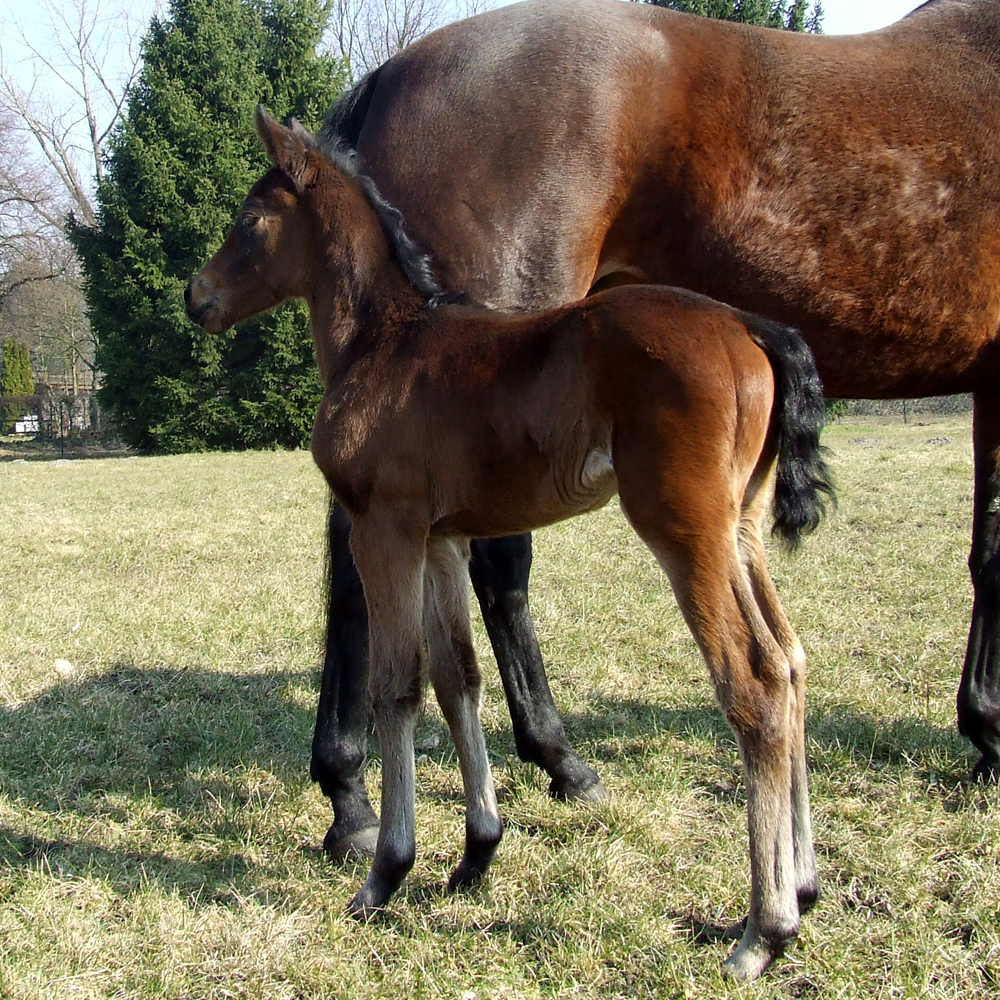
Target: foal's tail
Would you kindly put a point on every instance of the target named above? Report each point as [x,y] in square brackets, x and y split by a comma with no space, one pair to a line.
[803,482]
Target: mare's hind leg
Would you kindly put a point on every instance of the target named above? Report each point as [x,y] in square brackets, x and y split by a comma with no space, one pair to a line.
[340,739]
[499,571]
[755,563]
[457,683]
[979,692]
[693,535]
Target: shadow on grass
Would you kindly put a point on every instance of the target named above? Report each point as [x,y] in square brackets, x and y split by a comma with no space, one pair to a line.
[209,748]
[836,734]
[128,872]
[193,749]
[150,731]
[177,733]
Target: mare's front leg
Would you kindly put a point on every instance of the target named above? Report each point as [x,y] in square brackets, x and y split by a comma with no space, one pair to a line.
[979,692]
[391,562]
[343,719]
[457,683]
[499,570]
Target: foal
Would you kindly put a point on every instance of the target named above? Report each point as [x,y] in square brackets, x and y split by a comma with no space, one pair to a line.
[441,424]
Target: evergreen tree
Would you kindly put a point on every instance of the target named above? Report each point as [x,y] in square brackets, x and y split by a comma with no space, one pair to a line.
[16,380]
[180,163]
[792,15]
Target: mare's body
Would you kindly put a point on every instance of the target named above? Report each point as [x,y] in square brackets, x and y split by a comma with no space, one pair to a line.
[847,185]
[438,424]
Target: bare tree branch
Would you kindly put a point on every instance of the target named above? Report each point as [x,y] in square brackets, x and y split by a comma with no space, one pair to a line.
[86,34]
[367,32]
[58,105]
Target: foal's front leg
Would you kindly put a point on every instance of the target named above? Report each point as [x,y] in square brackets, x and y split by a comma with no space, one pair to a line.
[391,563]
[457,683]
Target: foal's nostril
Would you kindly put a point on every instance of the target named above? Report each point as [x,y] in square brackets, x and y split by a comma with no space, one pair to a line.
[196,313]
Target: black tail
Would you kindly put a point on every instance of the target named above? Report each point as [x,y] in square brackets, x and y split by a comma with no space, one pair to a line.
[803,481]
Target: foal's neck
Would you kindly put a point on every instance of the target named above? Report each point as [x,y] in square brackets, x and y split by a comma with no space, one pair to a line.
[361,296]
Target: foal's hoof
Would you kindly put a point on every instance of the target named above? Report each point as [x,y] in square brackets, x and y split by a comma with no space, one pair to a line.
[987,770]
[584,788]
[756,952]
[476,861]
[465,876]
[359,844]
[749,963]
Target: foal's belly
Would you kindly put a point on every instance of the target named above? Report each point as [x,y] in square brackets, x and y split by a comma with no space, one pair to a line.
[511,502]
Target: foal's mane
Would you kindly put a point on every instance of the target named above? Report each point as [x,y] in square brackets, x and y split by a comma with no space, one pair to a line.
[417,265]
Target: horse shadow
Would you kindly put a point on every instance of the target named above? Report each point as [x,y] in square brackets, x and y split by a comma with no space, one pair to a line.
[836,733]
[188,748]
[175,737]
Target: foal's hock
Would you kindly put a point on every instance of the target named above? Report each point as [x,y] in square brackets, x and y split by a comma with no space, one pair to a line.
[445,422]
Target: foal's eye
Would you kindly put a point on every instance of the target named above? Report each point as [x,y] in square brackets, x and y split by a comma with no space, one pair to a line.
[248,220]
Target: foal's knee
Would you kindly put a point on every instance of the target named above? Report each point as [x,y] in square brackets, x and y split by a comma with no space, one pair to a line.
[757,710]
[397,693]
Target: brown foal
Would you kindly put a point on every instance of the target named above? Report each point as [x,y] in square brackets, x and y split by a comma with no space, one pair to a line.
[445,422]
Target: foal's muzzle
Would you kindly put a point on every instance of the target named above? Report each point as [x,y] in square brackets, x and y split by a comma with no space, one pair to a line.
[197,311]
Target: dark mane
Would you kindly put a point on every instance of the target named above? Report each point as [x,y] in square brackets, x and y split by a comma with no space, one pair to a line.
[336,140]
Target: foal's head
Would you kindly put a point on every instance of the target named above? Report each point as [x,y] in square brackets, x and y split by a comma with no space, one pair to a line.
[271,252]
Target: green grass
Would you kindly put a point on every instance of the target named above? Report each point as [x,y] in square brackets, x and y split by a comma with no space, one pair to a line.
[159,836]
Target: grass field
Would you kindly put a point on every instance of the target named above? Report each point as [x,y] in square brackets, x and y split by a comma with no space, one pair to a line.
[159,836]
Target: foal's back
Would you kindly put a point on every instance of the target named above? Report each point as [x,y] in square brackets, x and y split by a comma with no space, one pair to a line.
[509,423]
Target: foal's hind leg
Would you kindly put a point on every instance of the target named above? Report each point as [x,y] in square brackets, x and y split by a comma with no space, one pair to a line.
[695,543]
[755,563]
[457,683]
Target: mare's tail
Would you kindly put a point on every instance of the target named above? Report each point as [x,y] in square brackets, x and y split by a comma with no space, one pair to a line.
[803,483]
[343,123]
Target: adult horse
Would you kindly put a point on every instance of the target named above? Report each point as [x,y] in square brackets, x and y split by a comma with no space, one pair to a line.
[849,186]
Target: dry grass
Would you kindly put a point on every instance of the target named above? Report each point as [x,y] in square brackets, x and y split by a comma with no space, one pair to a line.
[159,835]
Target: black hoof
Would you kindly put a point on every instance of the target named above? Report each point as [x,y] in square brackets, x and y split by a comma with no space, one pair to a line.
[586,787]
[477,859]
[363,907]
[986,771]
[341,846]
[465,876]
[807,897]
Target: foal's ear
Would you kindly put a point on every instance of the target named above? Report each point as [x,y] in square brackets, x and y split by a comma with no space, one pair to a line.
[289,149]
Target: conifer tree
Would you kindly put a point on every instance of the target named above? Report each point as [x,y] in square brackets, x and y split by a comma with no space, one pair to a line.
[16,381]
[791,15]
[180,163]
